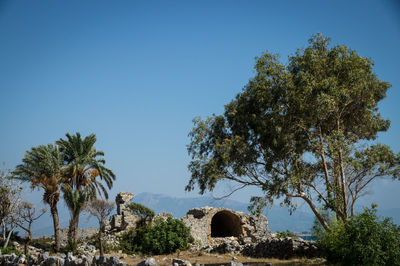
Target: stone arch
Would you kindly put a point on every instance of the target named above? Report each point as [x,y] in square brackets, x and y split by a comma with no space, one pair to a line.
[225,224]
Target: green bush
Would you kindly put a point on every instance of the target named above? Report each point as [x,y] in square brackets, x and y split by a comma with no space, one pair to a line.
[164,237]
[144,213]
[317,230]
[141,211]
[285,234]
[364,239]
[94,240]
[9,249]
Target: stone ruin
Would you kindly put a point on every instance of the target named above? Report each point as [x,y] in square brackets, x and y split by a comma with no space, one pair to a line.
[212,226]
[209,226]
[124,219]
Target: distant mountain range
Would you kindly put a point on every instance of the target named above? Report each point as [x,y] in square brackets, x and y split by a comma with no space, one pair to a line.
[278,217]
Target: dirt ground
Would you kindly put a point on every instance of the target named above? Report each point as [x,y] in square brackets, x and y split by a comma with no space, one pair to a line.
[205,258]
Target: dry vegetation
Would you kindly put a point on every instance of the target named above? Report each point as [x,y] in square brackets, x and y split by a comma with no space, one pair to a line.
[206,258]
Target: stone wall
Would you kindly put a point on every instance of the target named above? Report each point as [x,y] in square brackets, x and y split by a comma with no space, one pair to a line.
[210,226]
[124,219]
[63,260]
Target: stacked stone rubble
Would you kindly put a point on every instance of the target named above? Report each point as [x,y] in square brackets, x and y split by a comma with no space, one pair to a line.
[62,260]
[124,219]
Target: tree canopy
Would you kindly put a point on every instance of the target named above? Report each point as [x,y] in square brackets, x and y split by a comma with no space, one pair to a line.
[304,129]
[84,164]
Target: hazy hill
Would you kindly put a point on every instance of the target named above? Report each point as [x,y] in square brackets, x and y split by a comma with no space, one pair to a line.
[278,217]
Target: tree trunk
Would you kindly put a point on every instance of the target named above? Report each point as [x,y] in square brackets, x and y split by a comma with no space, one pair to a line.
[27,241]
[56,224]
[8,237]
[73,229]
[101,243]
[343,183]
[101,231]
[4,230]
[316,212]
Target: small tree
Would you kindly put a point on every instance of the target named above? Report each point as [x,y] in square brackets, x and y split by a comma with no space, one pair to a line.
[27,213]
[10,195]
[100,209]
[4,199]
[144,213]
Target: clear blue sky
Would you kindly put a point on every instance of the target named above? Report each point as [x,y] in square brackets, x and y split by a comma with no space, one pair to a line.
[136,73]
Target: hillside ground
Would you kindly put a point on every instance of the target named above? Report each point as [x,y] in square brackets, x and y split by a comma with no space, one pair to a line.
[207,258]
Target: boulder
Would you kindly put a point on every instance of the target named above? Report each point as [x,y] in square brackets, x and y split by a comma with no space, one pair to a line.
[148,262]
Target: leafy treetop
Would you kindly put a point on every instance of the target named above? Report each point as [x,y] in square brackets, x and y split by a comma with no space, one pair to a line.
[300,130]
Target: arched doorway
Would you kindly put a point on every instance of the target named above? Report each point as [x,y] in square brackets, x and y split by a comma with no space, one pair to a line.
[225,224]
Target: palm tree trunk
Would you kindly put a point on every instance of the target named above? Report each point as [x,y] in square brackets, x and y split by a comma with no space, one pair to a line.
[73,229]
[56,224]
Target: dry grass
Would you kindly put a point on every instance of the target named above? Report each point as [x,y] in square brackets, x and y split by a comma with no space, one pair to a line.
[203,258]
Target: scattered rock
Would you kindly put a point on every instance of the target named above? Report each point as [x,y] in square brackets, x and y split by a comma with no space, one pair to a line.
[148,262]
[180,262]
[234,263]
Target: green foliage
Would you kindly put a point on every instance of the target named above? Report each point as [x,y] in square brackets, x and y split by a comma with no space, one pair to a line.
[141,211]
[127,242]
[45,243]
[42,168]
[94,240]
[257,205]
[364,239]
[295,132]
[164,237]
[9,250]
[84,164]
[285,234]
[75,200]
[317,231]
[72,246]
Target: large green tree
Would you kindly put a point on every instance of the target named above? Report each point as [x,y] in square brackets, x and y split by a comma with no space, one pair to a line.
[85,171]
[300,130]
[42,168]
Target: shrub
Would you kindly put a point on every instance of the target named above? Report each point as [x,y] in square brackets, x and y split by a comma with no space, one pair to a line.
[141,211]
[164,237]
[317,230]
[285,234]
[364,239]
[45,243]
[9,250]
[144,213]
[94,240]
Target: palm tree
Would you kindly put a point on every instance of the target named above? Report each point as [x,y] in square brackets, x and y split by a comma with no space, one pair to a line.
[85,169]
[76,202]
[42,167]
